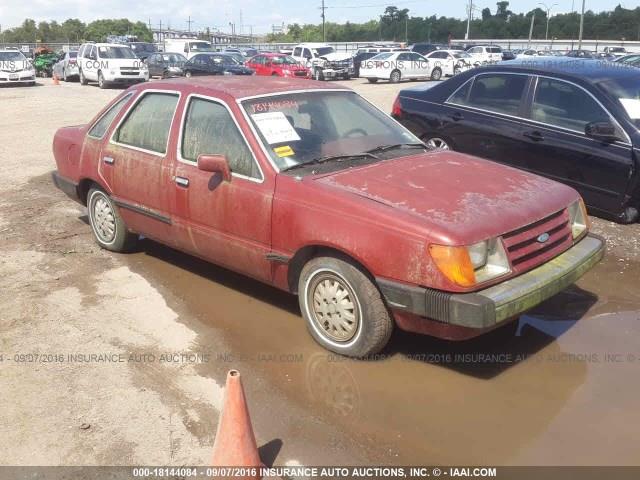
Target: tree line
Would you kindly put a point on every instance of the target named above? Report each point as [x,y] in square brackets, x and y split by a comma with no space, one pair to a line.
[74,31]
[398,25]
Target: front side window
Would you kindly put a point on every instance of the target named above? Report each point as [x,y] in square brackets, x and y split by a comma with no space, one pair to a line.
[297,52]
[210,129]
[148,124]
[499,93]
[565,105]
[627,92]
[100,127]
[300,128]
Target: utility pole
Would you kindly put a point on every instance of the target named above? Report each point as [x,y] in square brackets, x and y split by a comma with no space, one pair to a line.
[406,30]
[189,22]
[466,37]
[324,35]
[581,27]
[533,19]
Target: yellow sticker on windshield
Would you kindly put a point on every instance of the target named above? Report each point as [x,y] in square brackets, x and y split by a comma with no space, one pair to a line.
[284,151]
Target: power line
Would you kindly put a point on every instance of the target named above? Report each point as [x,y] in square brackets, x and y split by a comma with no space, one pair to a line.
[376,5]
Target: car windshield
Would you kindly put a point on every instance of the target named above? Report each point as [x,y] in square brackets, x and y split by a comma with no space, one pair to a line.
[73,54]
[236,56]
[284,60]
[461,55]
[382,56]
[12,57]
[304,128]
[174,58]
[143,47]
[199,46]
[617,50]
[494,50]
[627,92]
[116,52]
[324,51]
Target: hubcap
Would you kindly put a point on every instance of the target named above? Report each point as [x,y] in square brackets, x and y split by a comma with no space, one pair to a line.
[104,220]
[437,144]
[333,307]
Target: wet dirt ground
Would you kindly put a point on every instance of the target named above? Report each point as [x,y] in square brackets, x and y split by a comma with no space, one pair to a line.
[559,387]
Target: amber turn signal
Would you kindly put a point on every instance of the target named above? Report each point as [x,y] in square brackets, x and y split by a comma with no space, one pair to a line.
[454,263]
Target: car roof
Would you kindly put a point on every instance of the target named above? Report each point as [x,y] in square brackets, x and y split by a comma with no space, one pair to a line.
[580,68]
[238,86]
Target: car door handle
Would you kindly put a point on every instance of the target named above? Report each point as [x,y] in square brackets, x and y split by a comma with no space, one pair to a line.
[536,136]
[183,182]
[108,160]
[457,116]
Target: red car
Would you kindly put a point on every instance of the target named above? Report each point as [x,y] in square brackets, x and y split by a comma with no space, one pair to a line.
[319,193]
[278,65]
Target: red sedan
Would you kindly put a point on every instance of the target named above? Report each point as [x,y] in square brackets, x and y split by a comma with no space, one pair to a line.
[278,65]
[317,192]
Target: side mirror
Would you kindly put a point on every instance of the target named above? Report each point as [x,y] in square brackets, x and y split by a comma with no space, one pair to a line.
[215,164]
[605,131]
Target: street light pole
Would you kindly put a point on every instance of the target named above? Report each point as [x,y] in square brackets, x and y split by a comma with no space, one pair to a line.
[548,9]
[466,37]
[581,27]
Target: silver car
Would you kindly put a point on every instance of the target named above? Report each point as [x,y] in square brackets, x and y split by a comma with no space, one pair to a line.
[66,68]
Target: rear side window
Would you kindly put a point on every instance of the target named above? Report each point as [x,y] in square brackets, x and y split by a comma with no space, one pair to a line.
[497,93]
[148,124]
[100,127]
[209,129]
[565,105]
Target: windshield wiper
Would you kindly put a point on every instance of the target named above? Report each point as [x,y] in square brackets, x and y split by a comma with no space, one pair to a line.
[330,158]
[384,148]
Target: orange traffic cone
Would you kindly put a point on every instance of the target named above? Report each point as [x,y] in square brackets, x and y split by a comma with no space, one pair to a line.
[56,81]
[235,444]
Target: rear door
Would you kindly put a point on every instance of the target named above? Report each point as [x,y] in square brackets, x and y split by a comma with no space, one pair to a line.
[483,116]
[140,163]
[555,144]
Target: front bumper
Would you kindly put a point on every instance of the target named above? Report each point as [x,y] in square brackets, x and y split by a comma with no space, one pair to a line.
[487,308]
[18,77]
[337,72]
[121,77]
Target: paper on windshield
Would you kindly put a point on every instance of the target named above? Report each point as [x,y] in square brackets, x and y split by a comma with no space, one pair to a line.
[632,106]
[275,127]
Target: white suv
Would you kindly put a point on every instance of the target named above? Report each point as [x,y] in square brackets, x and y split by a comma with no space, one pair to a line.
[108,63]
[323,61]
[483,55]
[15,68]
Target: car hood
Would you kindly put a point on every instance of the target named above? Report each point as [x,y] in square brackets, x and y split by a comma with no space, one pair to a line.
[336,56]
[122,62]
[459,199]
[14,65]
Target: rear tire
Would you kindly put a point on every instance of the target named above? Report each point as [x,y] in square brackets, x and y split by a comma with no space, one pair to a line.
[395,76]
[343,308]
[436,74]
[372,80]
[317,74]
[108,226]
[187,74]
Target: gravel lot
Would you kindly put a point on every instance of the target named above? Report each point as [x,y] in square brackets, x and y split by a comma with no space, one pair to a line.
[61,296]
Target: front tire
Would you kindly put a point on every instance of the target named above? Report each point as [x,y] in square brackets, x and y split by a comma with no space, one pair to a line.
[343,308]
[317,74]
[436,74]
[108,226]
[187,74]
[83,79]
[101,82]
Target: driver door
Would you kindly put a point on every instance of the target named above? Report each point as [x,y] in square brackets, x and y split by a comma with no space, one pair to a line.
[226,222]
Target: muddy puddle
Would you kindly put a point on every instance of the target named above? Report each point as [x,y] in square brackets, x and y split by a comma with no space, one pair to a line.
[555,387]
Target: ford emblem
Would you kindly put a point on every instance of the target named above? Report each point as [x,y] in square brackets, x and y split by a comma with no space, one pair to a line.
[543,238]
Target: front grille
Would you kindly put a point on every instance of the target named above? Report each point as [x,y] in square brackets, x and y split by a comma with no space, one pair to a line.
[300,73]
[524,249]
[129,73]
[129,68]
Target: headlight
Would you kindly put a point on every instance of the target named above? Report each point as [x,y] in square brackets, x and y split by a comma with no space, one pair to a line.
[227,73]
[112,72]
[473,264]
[578,219]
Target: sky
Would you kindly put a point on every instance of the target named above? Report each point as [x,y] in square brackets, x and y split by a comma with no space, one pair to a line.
[259,15]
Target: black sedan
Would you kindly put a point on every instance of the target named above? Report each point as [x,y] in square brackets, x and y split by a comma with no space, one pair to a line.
[166,65]
[575,121]
[214,64]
